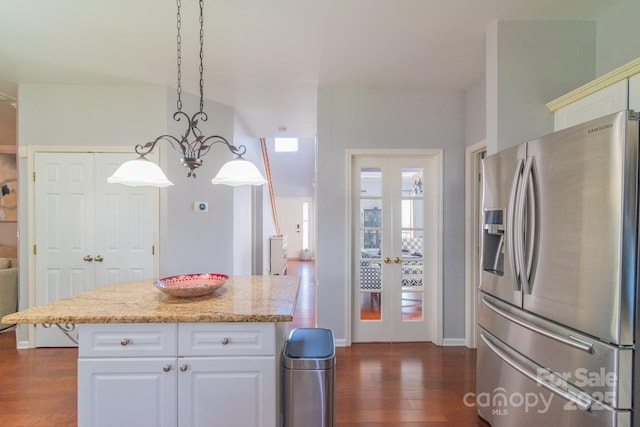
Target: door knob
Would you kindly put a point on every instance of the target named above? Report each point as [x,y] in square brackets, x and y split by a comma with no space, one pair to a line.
[184,368]
[396,260]
[166,368]
[387,260]
[98,258]
[88,258]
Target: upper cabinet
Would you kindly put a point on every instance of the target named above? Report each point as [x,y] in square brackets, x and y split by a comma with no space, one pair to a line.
[634,93]
[613,92]
[605,101]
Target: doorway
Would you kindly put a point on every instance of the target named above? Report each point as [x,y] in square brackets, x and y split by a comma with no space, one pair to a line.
[473,220]
[295,215]
[396,254]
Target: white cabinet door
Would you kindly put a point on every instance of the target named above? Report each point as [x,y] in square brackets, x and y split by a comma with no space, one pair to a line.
[609,100]
[88,233]
[227,391]
[634,93]
[127,392]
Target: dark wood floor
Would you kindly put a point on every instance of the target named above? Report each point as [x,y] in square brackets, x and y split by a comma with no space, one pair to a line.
[403,385]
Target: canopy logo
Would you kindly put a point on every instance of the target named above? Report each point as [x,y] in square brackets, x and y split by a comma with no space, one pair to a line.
[500,401]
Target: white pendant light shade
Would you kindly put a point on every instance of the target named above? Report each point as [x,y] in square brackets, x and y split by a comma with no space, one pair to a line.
[239,172]
[139,172]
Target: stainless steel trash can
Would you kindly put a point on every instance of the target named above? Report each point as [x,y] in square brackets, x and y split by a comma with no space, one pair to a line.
[308,361]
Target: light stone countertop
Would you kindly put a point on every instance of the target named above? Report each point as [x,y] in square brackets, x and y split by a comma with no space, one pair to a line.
[241,299]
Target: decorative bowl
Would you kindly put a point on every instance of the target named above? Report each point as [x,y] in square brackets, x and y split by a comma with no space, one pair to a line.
[191,285]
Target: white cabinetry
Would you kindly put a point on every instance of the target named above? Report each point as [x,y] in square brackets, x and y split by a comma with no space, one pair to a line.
[609,100]
[634,93]
[278,255]
[192,374]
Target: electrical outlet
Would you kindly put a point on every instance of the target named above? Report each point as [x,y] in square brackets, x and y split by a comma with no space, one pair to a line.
[201,206]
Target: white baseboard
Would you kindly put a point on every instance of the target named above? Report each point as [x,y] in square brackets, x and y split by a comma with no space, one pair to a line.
[451,342]
[341,343]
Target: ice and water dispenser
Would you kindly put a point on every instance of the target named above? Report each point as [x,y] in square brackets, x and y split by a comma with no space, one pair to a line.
[493,242]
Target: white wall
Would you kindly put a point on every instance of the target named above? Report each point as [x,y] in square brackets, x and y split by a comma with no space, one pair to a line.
[618,35]
[352,118]
[293,173]
[530,63]
[248,238]
[190,241]
[476,112]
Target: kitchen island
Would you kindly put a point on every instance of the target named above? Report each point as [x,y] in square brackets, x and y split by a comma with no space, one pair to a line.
[148,359]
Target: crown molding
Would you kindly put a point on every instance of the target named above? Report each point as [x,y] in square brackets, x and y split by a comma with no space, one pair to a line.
[593,86]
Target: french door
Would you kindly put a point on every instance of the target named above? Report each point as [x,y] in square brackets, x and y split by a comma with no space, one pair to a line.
[395,205]
[88,233]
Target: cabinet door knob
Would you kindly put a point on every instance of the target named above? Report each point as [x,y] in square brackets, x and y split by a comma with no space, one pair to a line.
[125,342]
[166,368]
[184,367]
[225,341]
[396,260]
[98,258]
[88,258]
[387,260]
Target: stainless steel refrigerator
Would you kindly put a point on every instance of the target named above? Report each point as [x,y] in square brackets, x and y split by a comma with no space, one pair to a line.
[559,295]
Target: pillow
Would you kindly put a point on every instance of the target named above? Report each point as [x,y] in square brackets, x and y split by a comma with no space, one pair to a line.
[5,263]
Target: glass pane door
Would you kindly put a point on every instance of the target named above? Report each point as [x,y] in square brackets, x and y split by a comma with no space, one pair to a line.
[412,244]
[370,231]
[389,249]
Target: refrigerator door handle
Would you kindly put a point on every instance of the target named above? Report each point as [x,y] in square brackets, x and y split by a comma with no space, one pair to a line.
[519,234]
[511,241]
[582,401]
[580,344]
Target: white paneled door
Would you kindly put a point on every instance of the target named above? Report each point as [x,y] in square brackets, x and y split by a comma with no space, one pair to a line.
[395,206]
[88,233]
[294,219]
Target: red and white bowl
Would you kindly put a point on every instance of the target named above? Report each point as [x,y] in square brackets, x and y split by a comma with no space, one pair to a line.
[191,285]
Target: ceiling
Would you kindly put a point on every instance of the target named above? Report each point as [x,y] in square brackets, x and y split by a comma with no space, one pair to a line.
[266,58]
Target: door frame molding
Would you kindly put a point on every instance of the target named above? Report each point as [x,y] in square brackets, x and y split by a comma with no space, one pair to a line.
[350,154]
[471,241]
[29,153]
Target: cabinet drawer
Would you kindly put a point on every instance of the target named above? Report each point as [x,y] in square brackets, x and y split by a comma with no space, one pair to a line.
[226,339]
[128,340]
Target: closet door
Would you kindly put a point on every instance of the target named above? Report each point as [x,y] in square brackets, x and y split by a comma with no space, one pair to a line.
[88,233]
[395,256]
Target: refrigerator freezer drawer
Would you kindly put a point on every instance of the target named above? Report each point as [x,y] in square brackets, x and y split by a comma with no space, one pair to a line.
[600,370]
[510,393]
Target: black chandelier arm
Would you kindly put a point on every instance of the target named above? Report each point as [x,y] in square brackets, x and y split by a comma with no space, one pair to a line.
[217,139]
[195,149]
[147,148]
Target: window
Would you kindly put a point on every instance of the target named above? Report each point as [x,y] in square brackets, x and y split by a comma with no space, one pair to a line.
[286,145]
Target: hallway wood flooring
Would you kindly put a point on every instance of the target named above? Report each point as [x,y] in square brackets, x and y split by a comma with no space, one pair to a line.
[381,384]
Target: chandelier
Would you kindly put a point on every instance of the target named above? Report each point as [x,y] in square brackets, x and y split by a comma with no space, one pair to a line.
[192,144]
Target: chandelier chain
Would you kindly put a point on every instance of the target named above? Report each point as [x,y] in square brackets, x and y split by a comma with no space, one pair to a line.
[193,144]
[201,56]
[179,57]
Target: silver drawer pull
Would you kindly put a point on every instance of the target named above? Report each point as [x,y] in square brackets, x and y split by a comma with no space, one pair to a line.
[225,341]
[125,342]
[166,368]
[183,368]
